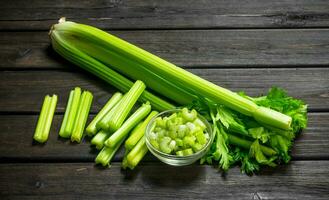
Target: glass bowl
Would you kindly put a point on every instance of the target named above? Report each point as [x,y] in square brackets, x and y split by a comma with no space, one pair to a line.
[174,159]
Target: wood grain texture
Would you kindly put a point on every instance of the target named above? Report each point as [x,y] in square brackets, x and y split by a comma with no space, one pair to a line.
[159,14]
[23,91]
[299,180]
[188,48]
[17,133]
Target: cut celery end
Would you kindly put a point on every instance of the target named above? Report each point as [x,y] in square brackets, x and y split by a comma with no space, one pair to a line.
[99,139]
[92,128]
[105,156]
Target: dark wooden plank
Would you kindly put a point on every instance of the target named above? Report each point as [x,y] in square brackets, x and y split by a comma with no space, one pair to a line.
[17,133]
[158,14]
[299,180]
[189,48]
[25,90]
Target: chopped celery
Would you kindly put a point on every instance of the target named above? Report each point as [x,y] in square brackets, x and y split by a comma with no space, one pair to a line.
[82,116]
[72,112]
[132,121]
[182,130]
[45,119]
[187,152]
[137,134]
[115,118]
[99,139]
[91,128]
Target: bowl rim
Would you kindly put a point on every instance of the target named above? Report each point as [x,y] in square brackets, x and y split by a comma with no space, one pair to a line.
[176,157]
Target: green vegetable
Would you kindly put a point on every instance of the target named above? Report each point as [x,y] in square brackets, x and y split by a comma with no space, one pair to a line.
[129,124]
[99,139]
[161,71]
[70,113]
[91,128]
[45,119]
[242,139]
[64,46]
[180,132]
[81,116]
[137,134]
[115,117]
[106,154]
[137,153]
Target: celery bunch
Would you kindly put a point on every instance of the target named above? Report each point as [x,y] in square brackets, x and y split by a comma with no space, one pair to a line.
[250,131]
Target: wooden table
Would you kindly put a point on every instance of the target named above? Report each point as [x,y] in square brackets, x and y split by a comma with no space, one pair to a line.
[242,45]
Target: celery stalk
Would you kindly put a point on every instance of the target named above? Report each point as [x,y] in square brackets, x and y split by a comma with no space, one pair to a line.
[39,134]
[66,49]
[91,128]
[115,117]
[72,113]
[169,72]
[46,117]
[139,133]
[134,155]
[66,115]
[82,116]
[247,144]
[132,121]
[99,139]
[105,156]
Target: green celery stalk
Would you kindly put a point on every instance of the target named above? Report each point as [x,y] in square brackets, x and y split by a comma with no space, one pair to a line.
[66,115]
[115,117]
[137,134]
[72,113]
[91,128]
[99,139]
[46,117]
[130,123]
[169,72]
[82,116]
[105,156]
[246,144]
[137,153]
[66,49]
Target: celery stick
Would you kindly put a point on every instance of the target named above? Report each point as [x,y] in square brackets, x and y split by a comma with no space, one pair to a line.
[132,121]
[139,156]
[62,132]
[72,112]
[92,129]
[115,118]
[99,139]
[105,156]
[139,133]
[38,135]
[132,154]
[82,116]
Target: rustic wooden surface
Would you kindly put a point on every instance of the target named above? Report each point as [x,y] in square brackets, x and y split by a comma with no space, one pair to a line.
[249,46]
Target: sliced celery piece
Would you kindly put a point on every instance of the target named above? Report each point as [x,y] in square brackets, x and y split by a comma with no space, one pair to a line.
[72,112]
[115,118]
[129,124]
[62,132]
[99,139]
[46,117]
[82,116]
[136,135]
[91,128]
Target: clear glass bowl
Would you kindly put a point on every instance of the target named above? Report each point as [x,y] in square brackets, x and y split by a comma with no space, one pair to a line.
[173,159]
